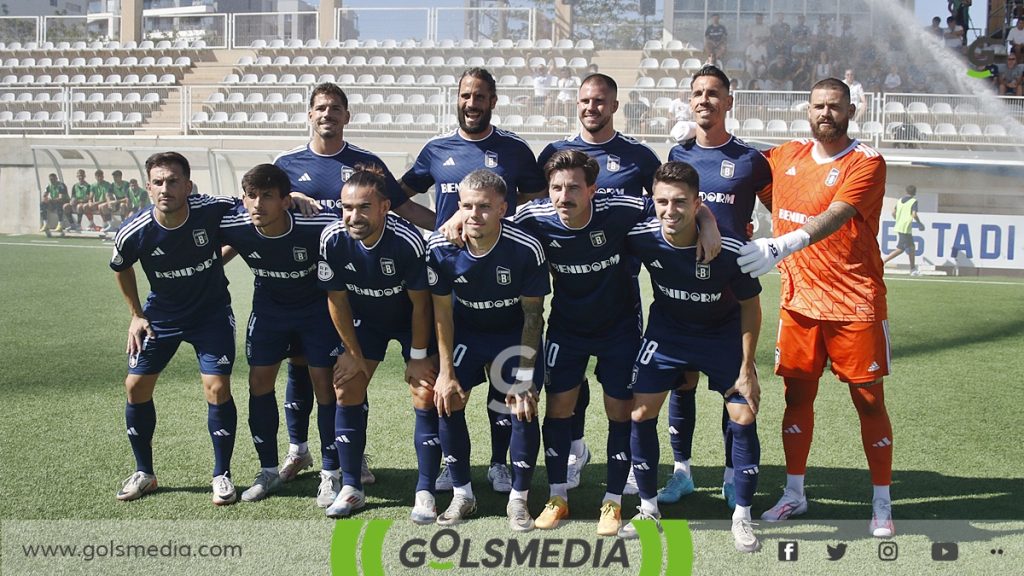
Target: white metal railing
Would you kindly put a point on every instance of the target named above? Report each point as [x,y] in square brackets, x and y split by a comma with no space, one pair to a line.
[952,119]
[272,28]
[90,28]
[100,108]
[211,29]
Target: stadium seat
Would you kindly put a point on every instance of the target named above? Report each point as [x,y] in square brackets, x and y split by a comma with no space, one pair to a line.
[326,78]
[667,82]
[357,60]
[167,79]
[374,99]
[254,98]
[361,118]
[776,126]
[966,109]
[151,98]
[365,79]
[346,79]
[230,79]
[295,98]
[239,117]
[332,44]
[278,118]
[652,46]
[281,61]
[670,64]
[923,128]
[495,62]
[94,98]
[447,80]
[516,62]
[645,82]
[434,62]
[385,80]
[416,61]
[287,79]
[219,117]
[267,79]
[945,129]
[320,61]
[535,121]
[475,62]
[871,128]
[404,119]
[24,116]
[691,65]
[396,61]
[131,79]
[538,62]
[649,64]
[41,116]
[436,100]
[426,120]
[306,79]
[94,117]
[259,117]
[732,125]
[264,61]
[505,44]
[113,98]
[148,79]
[376,61]
[917,108]
[995,131]
[800,127]
[508,80]
[415,100]
[564,44]
[585,44]
[6,116]
[133,98]
[394,100]
[235,98]
[753,125]
[940,108]
[456,62]
[894,108]
[297,118]
[970,130]
[406,80]
[115,117]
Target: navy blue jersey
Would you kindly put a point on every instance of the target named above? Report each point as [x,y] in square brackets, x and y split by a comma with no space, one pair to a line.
[446,159]
[731,176]
[488,288]
[321,177]
[627,165]
[594,288]
[183,265]
[375,277]
[701,298]
[284,267]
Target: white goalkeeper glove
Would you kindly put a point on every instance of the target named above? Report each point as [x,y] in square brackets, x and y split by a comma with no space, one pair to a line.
[760,256]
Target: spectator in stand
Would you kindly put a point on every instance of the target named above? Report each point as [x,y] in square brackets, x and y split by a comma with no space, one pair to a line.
[892,82]
[636,113]
[953,37]
[917,80]
[801,32]
[1015,40]
[936,28]
[958,10]
[846,38]
[1010,75]
[567,88]
[756,59]
[55,197]
[823,34]
[758,30]
[778,40]
[857,96]
[780,72]
[802,68]
[540,89]
[823,68]
[679,108]
[716,39]
[592,69]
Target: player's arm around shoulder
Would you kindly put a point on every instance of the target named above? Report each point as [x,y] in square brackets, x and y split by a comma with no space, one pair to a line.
[448,393]
[747,384]
[523,398]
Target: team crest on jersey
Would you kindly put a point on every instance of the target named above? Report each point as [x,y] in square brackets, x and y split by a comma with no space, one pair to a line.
[491,159]
[832,178]
[431,276]
[200,237]
[504,276]
[300,254]
[346,173]
[613,163]
[387,266]
[597,238]
[703,271]
[324,271]
[728,169]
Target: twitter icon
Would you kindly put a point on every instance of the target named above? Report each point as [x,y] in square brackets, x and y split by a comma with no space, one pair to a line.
[837,552]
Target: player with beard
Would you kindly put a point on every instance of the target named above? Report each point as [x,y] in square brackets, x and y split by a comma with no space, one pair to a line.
[826,202]
[318,170]
[444,161]
[626,168]
[732,176]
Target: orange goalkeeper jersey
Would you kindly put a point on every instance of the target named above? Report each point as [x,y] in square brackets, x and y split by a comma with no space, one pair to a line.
[840,277]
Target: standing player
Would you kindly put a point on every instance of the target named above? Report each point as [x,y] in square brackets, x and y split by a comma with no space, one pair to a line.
[583,235]
[732,176]
[827,198]
[318,170]
[627,168]
[176,243]
[373,267]
[289,313]
[54,198]
[905,213]
[705,317]
[80,195]
[444,161]
[488,309]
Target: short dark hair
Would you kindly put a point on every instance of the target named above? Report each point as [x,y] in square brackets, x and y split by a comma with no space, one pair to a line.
[572,159]
[267,177]
[369,175]
[833,84]
[678,173]
[483,75]
[604,78]
[52,175]
[168,159]
[116,173]
[713,71]
[911,189]
[328,89]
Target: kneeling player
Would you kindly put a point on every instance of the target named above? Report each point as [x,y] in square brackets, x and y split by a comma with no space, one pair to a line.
[373,267]
[289,317]
[706,318]
[488,307]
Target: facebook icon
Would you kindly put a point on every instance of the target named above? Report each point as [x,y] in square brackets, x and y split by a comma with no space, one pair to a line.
[788,551]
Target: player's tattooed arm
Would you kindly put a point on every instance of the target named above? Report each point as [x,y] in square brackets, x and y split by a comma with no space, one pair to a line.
[523,398]
[448,394]
[825,224]
[138,327]
[351,361]
[421,371]
[709,239]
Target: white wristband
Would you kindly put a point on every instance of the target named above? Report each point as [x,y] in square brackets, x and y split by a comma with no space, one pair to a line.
[793,241]
[524,374]
[417,353]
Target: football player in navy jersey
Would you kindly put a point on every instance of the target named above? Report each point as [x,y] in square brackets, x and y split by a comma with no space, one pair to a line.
[318,170]
[176,242]
[444,161]
[289,316]
[488,310]
[626,168]
[583,236]
[733,175]
[373,266]
[705,317]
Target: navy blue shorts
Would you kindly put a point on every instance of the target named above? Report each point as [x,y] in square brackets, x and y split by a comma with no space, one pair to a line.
[666,352]
[270,338]
[566,357]
[213,341]
[474,352]
[374,341]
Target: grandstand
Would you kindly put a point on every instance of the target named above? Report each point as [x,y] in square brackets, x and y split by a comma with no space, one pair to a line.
[220,84]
